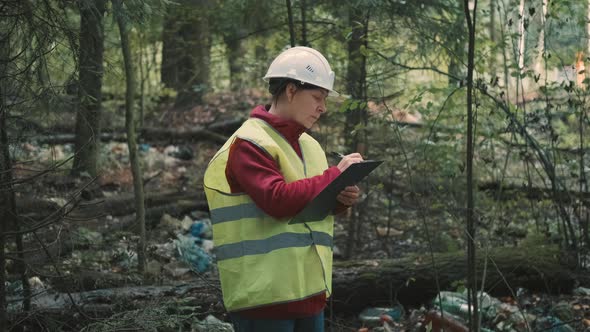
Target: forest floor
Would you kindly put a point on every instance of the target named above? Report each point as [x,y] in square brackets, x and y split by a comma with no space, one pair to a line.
[94,253]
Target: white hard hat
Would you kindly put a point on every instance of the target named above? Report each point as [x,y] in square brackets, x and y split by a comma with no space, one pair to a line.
[303,64]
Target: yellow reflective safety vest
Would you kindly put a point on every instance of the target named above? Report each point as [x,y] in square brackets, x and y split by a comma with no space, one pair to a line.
[263,260]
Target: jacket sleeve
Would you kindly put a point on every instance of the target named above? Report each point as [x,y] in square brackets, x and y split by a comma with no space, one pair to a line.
[251,170]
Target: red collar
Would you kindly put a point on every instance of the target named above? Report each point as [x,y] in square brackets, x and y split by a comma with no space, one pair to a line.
[287,127]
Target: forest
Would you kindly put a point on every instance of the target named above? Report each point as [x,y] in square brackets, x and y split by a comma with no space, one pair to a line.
[477,220]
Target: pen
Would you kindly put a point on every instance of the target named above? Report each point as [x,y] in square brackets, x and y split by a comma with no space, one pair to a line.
[337,154]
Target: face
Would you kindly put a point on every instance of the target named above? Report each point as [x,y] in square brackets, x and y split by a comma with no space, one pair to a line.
[306,105]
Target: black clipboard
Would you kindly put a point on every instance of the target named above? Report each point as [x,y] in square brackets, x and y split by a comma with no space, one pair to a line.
[323,204]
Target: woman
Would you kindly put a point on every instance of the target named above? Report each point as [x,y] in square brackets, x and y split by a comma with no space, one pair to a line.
[275,276]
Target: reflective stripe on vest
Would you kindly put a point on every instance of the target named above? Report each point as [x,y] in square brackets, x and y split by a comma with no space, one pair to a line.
[279,241]
[231,213]
[263,260]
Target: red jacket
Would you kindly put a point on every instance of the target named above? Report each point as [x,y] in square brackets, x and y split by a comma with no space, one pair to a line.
[253,171]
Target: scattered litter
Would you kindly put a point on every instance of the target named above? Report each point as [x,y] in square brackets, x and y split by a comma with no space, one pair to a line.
[379,316]
[177,269]
[15,288]
[212,324]
[186,223]
[201,228]
[384,231]
[582,291]
[552,324]
[191,253]
[497,315]
[124,257]
[163,251]
[144,147]
[207,245]
[170,224]
[182,152]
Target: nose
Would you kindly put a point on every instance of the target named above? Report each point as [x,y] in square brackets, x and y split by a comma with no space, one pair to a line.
[322,107]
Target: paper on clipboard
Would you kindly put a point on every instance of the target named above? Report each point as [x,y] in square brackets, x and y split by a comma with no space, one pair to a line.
[323,204]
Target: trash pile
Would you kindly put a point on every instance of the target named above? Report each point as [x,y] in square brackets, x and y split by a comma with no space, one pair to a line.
[503,314]
[195,247]
[191,248]
[381,319]
[530,313]
[212,324]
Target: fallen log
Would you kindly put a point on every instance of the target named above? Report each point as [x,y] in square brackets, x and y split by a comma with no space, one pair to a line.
[153,215]
[152,135]
[122,204]
[92,215]
[412,280]
[118,205]
[215,132]
[535,193]
[58,240]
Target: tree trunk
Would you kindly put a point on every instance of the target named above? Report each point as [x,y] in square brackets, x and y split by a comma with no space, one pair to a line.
[303,23]
[356,76]
[8,213]
[522,36]
[585,213]
[236,48]
[492,30]
[470,17]
[290,23]
[6,193]
[131,137]
[90,84]
[186,52]
[540,63]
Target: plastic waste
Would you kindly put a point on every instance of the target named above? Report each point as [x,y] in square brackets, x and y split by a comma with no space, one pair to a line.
[144,147]
[562,310]
[380,315]
[177,269]
[212,324]
[201,228]
[451,302]
[191,253]
[488,305]
[552,324]
[455,309]
[183,153]
[582,291]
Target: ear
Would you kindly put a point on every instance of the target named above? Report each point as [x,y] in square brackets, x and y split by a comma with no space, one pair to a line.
[290,91]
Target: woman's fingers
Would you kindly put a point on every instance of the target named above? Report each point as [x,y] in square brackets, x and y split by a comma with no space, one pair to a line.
[354,155]
[345,200]
[349,196]
[352,189]
[349,160]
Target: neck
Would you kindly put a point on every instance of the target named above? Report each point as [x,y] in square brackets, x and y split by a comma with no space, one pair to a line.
[277,110]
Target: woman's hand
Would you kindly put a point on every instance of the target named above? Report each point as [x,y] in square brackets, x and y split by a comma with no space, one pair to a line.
[349,196]
[349,160]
